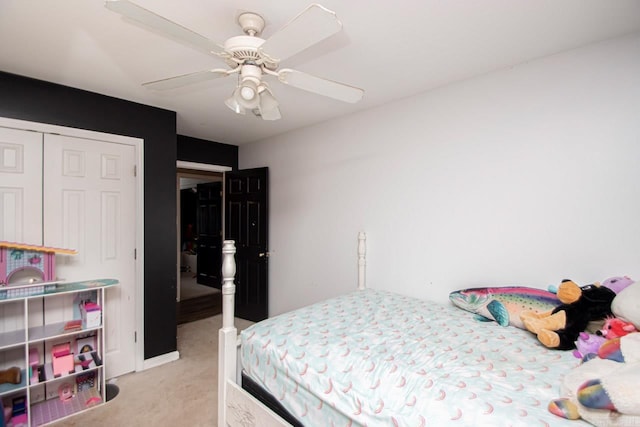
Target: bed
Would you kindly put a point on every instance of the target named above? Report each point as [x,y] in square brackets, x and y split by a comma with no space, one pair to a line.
[374,357]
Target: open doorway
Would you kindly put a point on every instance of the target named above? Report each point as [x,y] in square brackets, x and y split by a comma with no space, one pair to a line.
[198,218]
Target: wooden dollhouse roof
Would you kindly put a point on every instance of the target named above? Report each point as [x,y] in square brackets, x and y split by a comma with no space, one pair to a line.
[36,248]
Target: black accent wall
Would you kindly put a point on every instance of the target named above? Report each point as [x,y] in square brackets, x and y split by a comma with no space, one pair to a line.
[203,151]
[43,102]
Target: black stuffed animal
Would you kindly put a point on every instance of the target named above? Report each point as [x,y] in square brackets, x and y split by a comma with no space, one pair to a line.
[561,327]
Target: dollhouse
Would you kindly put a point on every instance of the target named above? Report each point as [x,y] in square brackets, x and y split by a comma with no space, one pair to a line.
[22,265]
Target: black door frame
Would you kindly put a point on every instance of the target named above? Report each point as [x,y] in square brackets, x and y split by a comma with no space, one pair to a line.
[193,170]
[186,169]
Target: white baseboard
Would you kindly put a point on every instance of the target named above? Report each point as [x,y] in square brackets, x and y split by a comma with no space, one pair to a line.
[160,360]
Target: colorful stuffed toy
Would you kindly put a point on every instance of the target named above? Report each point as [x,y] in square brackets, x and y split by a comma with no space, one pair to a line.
[504,304]
[603,390]
[561,327]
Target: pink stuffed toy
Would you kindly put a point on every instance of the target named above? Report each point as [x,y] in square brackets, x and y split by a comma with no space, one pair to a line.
[616,328]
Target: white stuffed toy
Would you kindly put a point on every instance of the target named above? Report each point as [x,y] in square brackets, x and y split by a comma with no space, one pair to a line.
[604,390]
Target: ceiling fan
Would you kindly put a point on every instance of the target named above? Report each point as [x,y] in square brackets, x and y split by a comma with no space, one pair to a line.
[251,57]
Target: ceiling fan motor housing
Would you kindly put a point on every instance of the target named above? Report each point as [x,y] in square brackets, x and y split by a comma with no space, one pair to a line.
[248,88]
[243,49]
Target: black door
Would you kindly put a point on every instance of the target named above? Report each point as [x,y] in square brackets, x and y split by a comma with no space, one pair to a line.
[246,222]
[209,232]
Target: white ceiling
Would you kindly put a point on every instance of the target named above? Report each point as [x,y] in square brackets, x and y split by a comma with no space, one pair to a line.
[391,49]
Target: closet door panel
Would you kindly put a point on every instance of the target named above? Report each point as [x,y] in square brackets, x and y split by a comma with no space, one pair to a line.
[20,203]
[21,186]
[89,206]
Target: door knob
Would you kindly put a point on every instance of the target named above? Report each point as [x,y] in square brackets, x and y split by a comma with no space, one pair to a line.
[264,254]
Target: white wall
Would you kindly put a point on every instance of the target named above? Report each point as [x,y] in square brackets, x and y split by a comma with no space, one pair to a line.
[525,176]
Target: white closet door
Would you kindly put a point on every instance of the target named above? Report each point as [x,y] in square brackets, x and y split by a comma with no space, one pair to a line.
[21,186]
[20,204]
[89,205]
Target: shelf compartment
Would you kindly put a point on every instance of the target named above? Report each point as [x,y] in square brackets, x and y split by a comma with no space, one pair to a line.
[11,339]
[8,388]
[93,364]
[54,409]
[54,330]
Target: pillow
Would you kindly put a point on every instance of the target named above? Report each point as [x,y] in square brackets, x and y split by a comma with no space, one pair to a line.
[626,304]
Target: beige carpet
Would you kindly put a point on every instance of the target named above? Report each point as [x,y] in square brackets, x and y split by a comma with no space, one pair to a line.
[180,393]
[190,288]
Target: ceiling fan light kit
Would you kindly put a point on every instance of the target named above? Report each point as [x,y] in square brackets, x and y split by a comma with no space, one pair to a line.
[268,107]
[251,57]
[233,104]
[249,91]
[267,100]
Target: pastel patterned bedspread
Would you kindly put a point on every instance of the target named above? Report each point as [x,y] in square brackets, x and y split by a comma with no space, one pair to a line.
[378,358]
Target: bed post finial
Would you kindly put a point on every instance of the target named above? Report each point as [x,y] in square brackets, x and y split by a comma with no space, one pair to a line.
[362,251]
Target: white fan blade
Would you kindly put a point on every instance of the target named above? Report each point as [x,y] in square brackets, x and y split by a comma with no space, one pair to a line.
[187,79]
[320,86]
[311,26]
[163,26]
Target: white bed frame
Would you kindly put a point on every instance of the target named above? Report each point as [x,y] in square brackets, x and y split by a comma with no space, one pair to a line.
[236,407]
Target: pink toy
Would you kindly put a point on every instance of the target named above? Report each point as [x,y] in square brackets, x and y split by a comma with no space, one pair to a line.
[65,392]
[92,401]
[41,260]
[588,344]
[34,359]
[62,359]
[616,328]
[19,420]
